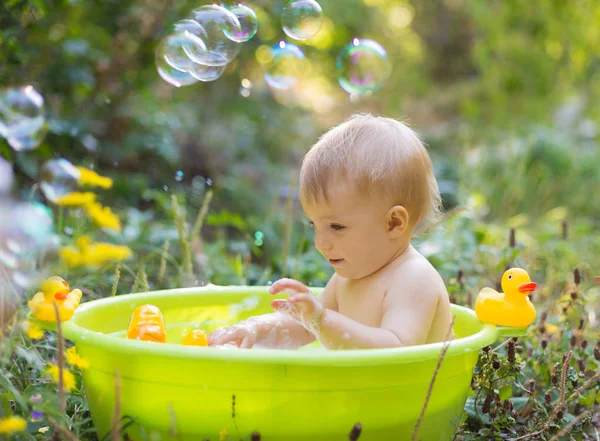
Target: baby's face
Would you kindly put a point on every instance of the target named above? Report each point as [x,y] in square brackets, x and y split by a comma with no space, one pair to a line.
[352,233]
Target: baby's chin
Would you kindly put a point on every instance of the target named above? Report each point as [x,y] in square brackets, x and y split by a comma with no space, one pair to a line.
[347,272]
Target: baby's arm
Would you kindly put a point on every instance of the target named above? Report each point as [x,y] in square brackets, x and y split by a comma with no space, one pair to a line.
[408,311]
[276,330]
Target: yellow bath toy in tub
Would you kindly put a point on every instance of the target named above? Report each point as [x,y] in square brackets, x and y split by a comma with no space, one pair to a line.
[195,337]
[147,324]
[54,289]
[511,307]
[185,393]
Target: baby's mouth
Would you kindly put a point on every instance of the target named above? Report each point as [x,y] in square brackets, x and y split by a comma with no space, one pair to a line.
[336,261]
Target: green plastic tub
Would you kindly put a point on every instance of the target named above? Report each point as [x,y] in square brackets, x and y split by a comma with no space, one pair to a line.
[186,393]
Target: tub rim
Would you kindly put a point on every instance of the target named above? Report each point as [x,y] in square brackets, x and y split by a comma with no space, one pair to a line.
[363,357]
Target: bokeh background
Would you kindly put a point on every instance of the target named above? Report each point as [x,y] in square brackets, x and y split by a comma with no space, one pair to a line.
[504,93]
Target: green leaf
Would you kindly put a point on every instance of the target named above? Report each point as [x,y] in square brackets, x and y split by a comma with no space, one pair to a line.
[505,392]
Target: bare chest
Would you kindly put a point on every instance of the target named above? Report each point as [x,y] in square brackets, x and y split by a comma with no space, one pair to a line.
[361,301]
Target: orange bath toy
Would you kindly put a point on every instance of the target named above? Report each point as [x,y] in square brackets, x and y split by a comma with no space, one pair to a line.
[510,308]
[54,289]
[196,337]
[147,324]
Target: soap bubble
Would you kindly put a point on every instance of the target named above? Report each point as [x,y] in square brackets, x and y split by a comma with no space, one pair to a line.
[26,231]
[206,73]
[6,176]
[179,176]
[168,73]
[22,117]
[187,36]
[362,66]
[286,64]
[218,23]
[27,141]
[302,19]
[248,22]
[58,178]
[35,224]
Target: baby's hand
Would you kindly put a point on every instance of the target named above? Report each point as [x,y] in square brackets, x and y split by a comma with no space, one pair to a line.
[302,306]
[243,334]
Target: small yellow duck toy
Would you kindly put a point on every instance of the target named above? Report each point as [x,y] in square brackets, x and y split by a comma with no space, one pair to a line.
[54,289]
[510,308]
[147,324]
[196,337]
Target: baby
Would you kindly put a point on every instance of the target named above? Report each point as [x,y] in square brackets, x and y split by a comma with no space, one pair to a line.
[365,186]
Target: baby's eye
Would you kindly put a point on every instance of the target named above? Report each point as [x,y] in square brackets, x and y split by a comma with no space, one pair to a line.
[311,224]
[337,227]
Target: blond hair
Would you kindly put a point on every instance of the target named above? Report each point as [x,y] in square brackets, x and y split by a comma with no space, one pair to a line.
[375,155]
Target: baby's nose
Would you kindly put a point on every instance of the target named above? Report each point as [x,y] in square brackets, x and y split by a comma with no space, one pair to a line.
[321,243]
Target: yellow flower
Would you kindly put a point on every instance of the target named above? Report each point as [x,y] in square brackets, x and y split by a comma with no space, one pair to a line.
[68,377]
[76,199]
[103,216]
[33,330]
[12,424]
[87,253]
[74,359]
[93,179]
[550,328]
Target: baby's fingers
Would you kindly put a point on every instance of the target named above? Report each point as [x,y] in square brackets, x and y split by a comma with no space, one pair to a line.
[301,298]
[280,305]
[291,284]
[224,335]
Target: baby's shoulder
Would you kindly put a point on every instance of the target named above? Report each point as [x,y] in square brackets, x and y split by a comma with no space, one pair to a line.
[417,271]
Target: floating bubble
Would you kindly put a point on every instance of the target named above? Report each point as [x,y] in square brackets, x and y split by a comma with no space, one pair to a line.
[26,230]
[302,19]
[27,141]
[179,176]
[186,36]
[6,176]
[35,225]
[22,117]
[206,73]
[168,73]
[248,22]
[58,178]
[285,65]
[362,66]
[218,23]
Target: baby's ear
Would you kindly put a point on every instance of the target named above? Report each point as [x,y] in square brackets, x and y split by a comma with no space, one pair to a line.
[397,219]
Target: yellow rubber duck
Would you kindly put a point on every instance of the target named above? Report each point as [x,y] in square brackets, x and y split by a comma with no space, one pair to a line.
[147,324]
[196,337]
[510,308]
[54,289]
